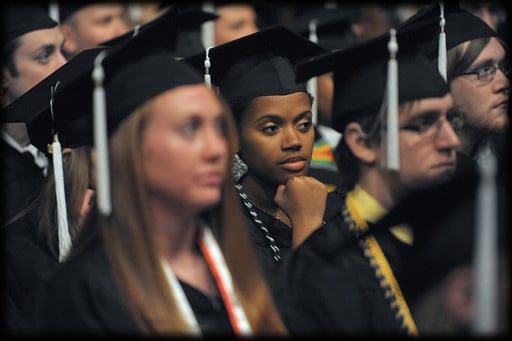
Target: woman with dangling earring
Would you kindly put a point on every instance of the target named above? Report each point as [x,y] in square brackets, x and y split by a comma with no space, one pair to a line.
[273,115]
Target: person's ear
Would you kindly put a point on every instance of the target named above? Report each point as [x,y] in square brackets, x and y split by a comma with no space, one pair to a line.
[358,142]
[5,79]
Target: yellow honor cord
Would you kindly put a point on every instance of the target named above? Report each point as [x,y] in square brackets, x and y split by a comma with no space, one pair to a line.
[383,270]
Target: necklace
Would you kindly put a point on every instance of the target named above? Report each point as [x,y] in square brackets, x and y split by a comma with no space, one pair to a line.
[378,262]
[250,207]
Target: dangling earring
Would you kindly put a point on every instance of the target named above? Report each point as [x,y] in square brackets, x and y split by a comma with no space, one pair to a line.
[239,167]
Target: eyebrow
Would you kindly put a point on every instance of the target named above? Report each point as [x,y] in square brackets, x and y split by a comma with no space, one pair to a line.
[279,118]
[486,62]
[423,114]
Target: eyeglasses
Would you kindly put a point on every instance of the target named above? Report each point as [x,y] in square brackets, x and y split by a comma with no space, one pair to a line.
[487,73]
[425,123]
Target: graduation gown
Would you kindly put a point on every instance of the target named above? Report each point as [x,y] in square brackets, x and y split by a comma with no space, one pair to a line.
[281,233]
[82,298]
[27,263]
[444,222]
[328,287]
[21,180]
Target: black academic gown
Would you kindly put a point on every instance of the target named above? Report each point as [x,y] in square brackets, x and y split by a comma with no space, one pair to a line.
[21,180]
[81,298]
[328,287]
[281,233]
[444,219]
[27,263]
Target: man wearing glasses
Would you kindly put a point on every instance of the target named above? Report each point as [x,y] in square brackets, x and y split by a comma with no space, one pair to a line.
[478,73]
[345,278]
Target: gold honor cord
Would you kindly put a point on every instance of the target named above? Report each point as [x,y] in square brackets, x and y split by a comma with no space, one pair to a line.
[379,263]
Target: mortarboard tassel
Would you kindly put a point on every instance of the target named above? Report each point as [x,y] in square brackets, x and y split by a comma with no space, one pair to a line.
[207,65]
[58,174]
[393,157]
[54,11]
[312,83]
[208,28]
[486,259]
[441,60]
[64,236]
[101,139]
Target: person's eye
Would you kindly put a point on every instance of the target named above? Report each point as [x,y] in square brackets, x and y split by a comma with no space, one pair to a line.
[305,126]
[190,128]
[270,129]
[43,57]
[485,70]
[456,120]
[420,124]
[412,127]
[220,126]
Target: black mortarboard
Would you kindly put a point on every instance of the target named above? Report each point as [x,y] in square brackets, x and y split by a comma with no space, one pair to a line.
[460,26]
[360,75]
[332,27]
[34,109]
[259,64]
[68,8]
[22,17]
[139,81]
[73,96]
[188,41]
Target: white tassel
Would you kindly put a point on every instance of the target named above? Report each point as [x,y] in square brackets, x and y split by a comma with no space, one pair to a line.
[207,65]
[54,11]
[441,60]
[208,28]
[101,139]
[312,31]
[55,150]
[393,154]
[485,278]
[62,213]
[312,84]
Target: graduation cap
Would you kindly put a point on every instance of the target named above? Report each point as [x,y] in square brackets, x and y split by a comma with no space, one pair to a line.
[375,77]
[259,64]
[68,8]
[73,95]
[22,17]
[329,27]
[142,80]
[189,23]
[459,26]
[61,105]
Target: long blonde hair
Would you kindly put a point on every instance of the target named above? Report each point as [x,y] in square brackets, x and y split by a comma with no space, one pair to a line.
[132,248]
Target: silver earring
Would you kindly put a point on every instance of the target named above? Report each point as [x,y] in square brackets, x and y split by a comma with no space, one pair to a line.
[239,167]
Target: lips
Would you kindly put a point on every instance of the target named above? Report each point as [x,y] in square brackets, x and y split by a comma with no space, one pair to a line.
[447,165]
[503,105]
[212,178]
[294,164]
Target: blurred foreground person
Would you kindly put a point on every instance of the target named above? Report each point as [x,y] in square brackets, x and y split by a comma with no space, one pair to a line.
[165,257]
